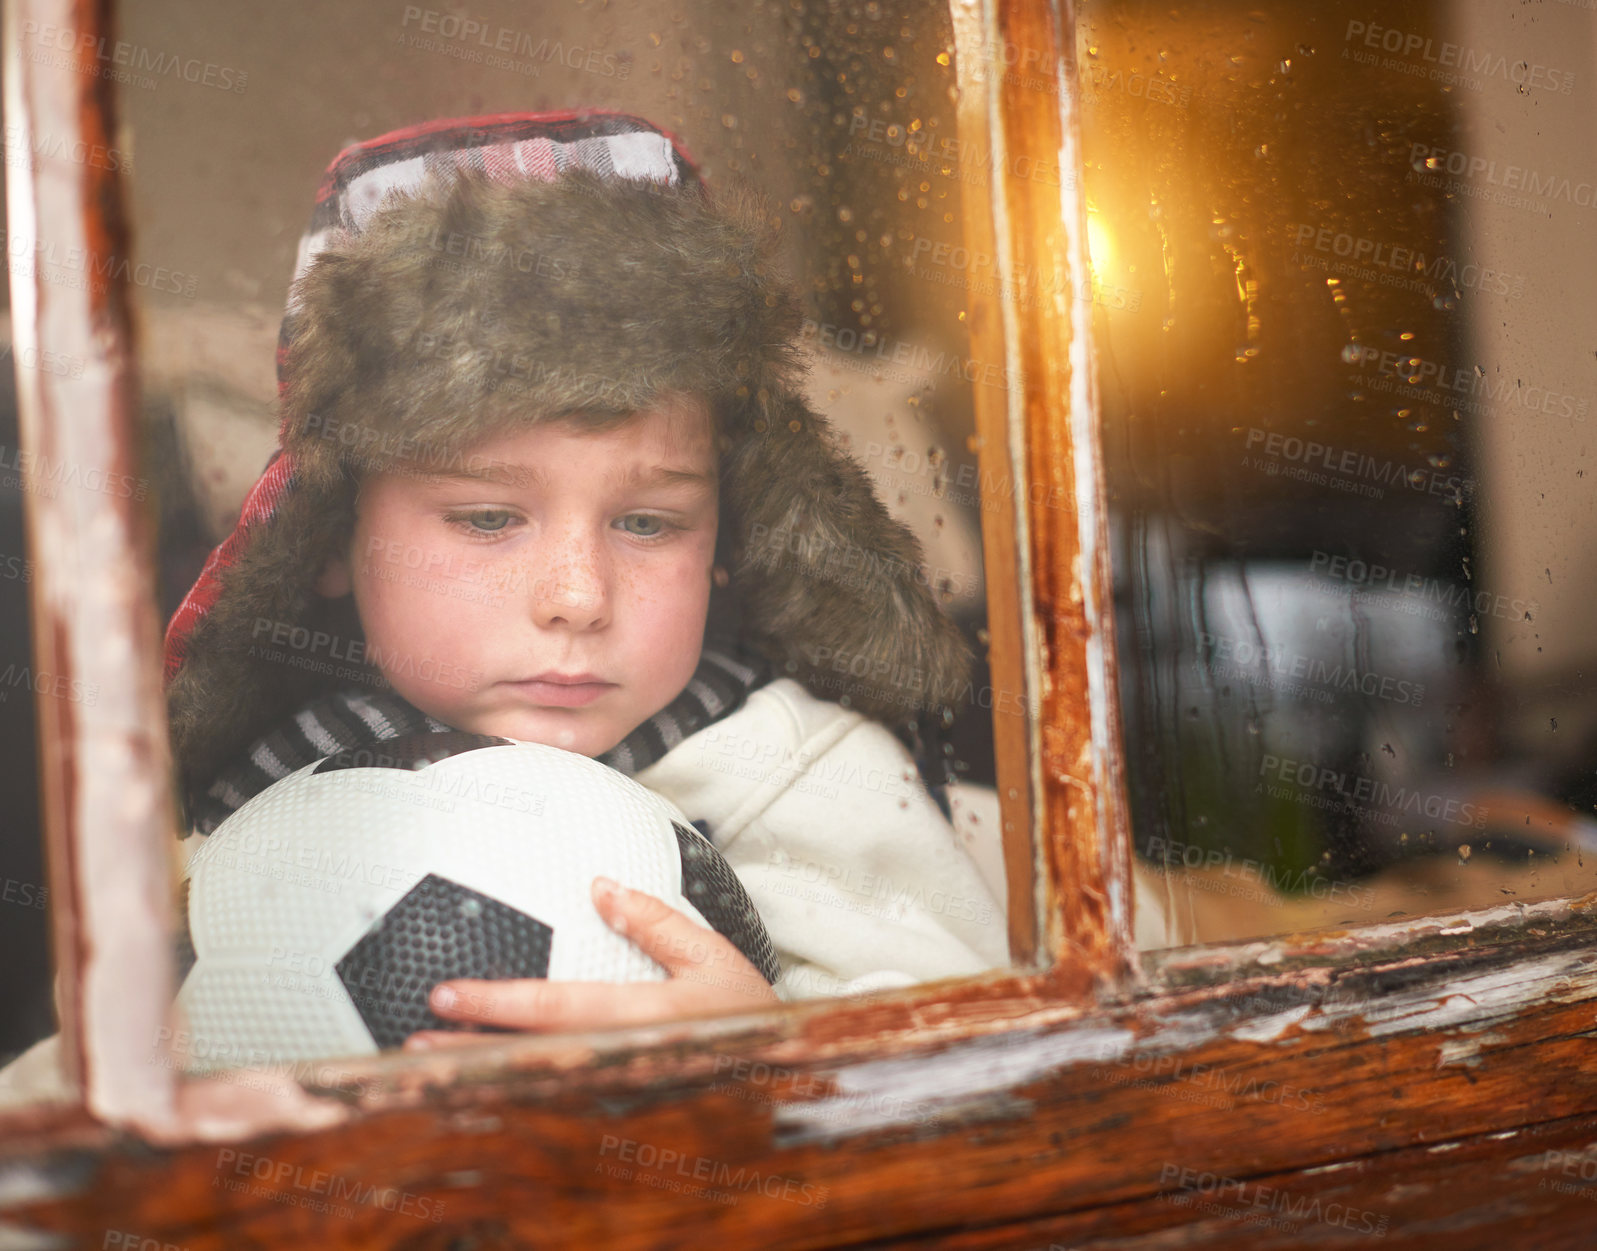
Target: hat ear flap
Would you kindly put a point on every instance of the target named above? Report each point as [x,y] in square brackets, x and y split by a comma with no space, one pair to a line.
[833,586]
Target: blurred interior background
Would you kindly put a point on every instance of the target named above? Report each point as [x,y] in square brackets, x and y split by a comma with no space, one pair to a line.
[1349,439]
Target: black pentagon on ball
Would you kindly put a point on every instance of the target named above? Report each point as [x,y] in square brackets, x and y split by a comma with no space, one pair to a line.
[709,884]
[183,941]
[438,931]
[410,751]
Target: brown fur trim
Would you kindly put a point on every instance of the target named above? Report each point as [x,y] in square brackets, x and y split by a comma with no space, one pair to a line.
[831,583]
[455,314]
[233,686]
[481,305]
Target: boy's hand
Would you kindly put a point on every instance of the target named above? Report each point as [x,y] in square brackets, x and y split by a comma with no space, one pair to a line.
[708,977]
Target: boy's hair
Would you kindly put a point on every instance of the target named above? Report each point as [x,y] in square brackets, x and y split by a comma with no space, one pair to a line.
[478,301]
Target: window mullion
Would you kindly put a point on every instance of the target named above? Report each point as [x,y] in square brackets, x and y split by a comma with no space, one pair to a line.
[107,805]
[1040,431]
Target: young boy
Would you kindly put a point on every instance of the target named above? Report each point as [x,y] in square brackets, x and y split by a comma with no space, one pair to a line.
[540,420]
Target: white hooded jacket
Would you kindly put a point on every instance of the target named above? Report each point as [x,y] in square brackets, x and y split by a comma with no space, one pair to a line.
[858,876]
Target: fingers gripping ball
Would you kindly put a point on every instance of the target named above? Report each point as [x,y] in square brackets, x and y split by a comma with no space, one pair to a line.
[324,911]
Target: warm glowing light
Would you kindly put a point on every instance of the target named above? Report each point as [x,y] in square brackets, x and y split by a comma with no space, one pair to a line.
[1100,246]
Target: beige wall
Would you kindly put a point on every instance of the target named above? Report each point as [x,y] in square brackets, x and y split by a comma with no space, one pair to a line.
[1537,535]
[223,180]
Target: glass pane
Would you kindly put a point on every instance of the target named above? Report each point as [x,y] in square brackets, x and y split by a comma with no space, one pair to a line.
[27,977]
[880,864]
[1348,429]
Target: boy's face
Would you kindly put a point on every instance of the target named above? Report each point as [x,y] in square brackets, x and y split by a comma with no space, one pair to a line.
[559,554]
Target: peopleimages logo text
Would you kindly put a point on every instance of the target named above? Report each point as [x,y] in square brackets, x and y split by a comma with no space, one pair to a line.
[914,358]
[1455,595]
[1250,1196]
[1353,464]
[1448,55]
[1358,789]
[1173,853]
[928,150]
[494,45]
[1425,159]
[1442,272]
[133,57]
[1416,371]
[1238,656]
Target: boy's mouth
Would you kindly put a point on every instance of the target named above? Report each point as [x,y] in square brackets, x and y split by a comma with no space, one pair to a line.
[562,690]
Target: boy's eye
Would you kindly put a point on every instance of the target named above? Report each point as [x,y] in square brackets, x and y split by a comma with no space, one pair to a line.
[643,525]
[485,520]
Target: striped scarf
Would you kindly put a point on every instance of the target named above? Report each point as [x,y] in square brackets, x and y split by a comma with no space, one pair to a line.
[347,720]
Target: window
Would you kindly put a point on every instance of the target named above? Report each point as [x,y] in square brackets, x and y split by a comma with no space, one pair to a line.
[1062,1094]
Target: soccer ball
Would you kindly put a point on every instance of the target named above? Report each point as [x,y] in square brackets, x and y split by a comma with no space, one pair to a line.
[323,912]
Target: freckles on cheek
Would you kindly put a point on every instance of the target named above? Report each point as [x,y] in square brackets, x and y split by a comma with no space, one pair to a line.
[683,587]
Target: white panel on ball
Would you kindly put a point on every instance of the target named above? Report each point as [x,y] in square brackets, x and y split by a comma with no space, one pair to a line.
[282,890]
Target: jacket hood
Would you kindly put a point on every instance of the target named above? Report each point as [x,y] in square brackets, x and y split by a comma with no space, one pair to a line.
[465,276]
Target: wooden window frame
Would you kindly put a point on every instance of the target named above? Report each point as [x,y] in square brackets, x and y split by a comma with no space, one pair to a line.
[1445,1055]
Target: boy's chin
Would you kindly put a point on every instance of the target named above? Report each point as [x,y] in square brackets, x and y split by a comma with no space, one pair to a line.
[551,730]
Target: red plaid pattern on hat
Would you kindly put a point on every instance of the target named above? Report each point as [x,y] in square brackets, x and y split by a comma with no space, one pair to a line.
[508,147]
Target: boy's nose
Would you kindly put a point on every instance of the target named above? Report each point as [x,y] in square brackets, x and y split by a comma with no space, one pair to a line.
[572,589]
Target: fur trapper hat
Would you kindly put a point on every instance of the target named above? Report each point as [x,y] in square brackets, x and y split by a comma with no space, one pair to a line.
[466,275]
